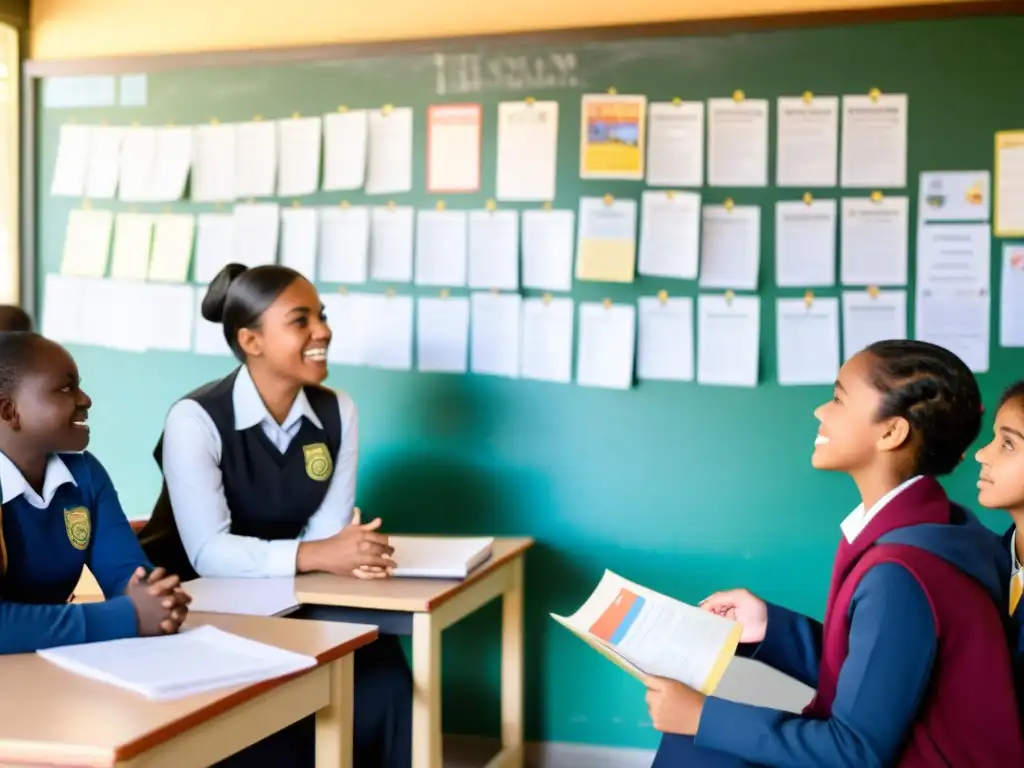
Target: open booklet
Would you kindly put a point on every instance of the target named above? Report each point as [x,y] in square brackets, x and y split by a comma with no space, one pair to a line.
[649,634]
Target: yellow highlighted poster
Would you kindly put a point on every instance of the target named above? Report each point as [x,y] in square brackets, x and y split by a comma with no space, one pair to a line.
[612,137]
[606,245]
[1009,185]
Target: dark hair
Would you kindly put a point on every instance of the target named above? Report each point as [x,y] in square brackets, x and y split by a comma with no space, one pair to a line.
[238,296]
[14,318]
[1012,392]
[936,393]
[17,351]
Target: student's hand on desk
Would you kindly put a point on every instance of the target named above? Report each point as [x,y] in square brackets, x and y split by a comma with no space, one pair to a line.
[161,606]
[357,550]
[741,606]
[674,707]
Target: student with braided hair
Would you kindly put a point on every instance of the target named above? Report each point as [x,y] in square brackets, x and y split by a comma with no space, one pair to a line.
[911,666]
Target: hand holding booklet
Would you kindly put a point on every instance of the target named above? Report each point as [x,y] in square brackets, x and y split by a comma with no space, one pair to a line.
[651,635]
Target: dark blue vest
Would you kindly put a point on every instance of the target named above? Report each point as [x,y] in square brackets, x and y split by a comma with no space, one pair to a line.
[271,494]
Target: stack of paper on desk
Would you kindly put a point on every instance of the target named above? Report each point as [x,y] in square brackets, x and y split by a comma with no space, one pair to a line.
[649,634]
[439,557]
[172,666]
[249,597]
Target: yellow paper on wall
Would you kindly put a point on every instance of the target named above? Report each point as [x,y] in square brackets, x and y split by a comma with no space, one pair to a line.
[606,249]
[1008,198]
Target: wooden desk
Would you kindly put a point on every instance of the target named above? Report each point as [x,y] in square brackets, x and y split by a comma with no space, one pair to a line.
[434,606]
[52,717]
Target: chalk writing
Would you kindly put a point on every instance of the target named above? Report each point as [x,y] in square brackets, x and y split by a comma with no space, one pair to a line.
[473,72]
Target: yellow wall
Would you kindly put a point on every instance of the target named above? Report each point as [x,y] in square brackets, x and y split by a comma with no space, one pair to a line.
[61,29]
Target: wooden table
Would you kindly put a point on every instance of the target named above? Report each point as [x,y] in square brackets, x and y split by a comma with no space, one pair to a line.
[433,605]
[52,717]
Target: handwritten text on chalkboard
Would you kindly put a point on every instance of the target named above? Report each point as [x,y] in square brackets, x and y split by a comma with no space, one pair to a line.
[475,73]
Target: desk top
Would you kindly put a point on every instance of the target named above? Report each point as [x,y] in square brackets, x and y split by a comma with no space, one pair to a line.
[49,715]
[406,595]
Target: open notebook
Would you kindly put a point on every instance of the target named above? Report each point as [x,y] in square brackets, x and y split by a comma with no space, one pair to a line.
[172,666]
[439,557]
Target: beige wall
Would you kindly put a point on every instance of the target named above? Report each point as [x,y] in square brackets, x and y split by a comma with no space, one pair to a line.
[61,29]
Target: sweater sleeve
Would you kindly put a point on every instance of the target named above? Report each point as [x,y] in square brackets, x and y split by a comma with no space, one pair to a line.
[893,642]
[28,628]
[792,645]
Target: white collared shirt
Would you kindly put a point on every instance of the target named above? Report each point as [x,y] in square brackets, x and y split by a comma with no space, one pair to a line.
[191,464]
[858,520]
[1014,562]
[13,483]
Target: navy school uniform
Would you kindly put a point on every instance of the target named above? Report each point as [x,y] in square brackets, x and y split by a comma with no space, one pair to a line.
[1015,610]
[240,493]
[46,541]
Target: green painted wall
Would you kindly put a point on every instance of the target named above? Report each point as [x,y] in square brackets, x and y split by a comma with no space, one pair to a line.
[684,488]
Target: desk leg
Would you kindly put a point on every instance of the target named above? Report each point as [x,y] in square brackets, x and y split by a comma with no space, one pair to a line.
[334,722]
[512,668]
[426,705]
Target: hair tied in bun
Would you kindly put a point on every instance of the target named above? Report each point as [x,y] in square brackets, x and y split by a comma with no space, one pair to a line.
[217,292]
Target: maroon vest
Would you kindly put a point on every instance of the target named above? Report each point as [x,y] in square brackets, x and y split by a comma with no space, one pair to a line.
[969,714]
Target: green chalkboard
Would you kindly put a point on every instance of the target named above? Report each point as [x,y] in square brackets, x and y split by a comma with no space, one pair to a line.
[681,487]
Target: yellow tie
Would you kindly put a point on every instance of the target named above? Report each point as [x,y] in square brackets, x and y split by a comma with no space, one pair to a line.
[1016,587]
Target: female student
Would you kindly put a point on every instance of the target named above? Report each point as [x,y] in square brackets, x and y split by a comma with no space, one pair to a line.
[1001,486]
[259,480]
[60,513]
[911,667]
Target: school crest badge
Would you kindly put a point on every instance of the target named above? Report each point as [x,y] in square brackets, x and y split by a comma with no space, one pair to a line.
[78,525]
[318,461]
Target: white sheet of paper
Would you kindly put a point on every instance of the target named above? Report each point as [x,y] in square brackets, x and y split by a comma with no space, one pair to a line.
[391,244]
[675,144]
[298,158]
[441,244]
[738,143]
[871,317]
[670,234]
[209,337]
[173,236]
[87,242]
[344,244]
[133,237]
[299,235]
[213,164]
[72,166]
[731,247]
[954,196]
[172,163]
[63,315]
[442,334]
[137,163]
[527,150]
[954,257]
[1011,300]
[494,344]
[215,244]
[257,227]
[453,148]
[957,320]
[255,159]
[665,341]
[548,248]
[547,336]
[116,315]
[388,331]
[874,152]
[807,142]
[807,341]
[273,597]
[172,314]
[728,340]
[347,311]
[494,249]
[805,243]
[1009,184]
[104,162]
[607,345]
[345,150]
[874,241]
[389,167]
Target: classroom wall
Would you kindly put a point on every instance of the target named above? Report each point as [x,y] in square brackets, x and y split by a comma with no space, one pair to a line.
[62,29]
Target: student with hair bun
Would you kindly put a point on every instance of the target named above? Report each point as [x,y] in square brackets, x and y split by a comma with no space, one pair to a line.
[259,475]
[911,666]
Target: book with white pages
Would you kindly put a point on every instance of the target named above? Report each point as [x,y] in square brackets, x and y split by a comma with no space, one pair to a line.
[247,597]
[174,666]
[439,557]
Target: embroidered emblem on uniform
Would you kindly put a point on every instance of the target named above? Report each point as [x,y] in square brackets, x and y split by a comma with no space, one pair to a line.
[78,526]
[318,461]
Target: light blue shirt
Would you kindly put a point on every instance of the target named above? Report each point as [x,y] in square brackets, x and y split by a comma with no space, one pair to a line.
[13,483]
[191,465]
